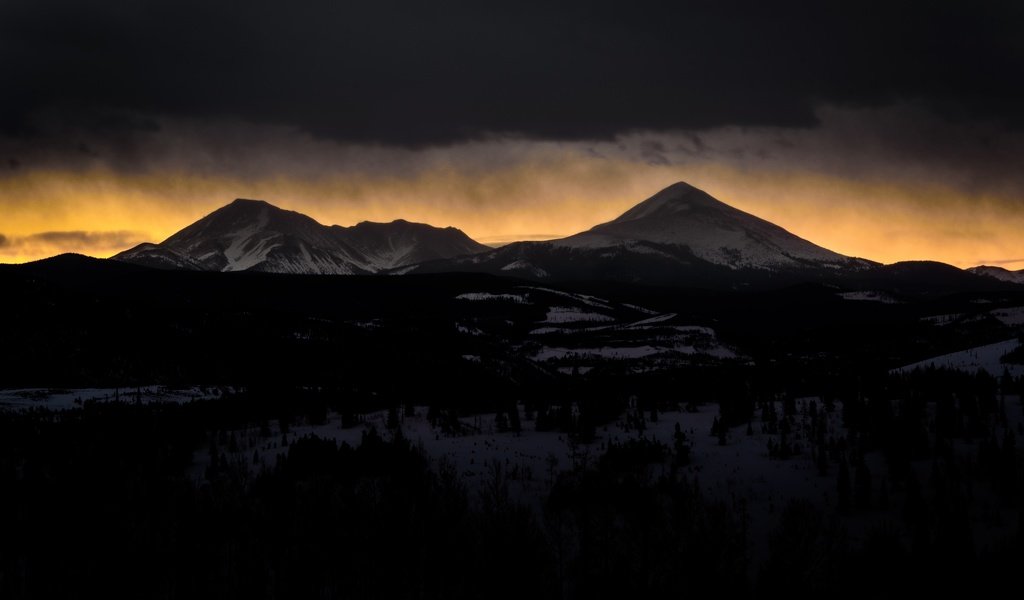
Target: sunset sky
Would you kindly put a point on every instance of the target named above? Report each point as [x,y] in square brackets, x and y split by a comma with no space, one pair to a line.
[886,130]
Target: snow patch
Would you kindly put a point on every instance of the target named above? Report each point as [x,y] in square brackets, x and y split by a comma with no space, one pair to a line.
[566,314]
[524,266]
[584,298]
[70,398]
[869,296]
[615,353]
[980,358]
[1014,317]
[489,297]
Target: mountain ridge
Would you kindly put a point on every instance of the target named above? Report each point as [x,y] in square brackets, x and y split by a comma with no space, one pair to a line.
[679,236]
[1000,273]
[683,215]
[256,235]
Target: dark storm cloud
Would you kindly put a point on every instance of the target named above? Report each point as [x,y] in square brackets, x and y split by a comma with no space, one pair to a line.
[412,73]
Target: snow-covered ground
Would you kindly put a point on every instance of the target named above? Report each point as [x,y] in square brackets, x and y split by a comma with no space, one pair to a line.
[523,266]
[653,320]
[1014,316]
[63,399]
[571,314]
[869,296]
[980,358]
[659,339]
[584,298]
[531,459]
[487,296]
[943,319]
[606,352]
[741,472]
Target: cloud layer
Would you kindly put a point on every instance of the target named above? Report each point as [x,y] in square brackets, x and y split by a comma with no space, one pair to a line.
[409,73]
[49,243]
[888,184]
[890,130]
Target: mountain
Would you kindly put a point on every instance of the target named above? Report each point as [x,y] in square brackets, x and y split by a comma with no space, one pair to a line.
[999,273]
[252,235]
[679,235]
[683,216]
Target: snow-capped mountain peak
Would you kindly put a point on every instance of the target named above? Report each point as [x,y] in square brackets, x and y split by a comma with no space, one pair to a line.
[684,217]
[999,273]
[679,235]
[256,235]
[676,198]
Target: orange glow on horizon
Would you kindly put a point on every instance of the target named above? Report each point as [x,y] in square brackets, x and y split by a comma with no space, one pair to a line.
[882,221]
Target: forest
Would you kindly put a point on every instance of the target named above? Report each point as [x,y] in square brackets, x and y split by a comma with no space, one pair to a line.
[446,437]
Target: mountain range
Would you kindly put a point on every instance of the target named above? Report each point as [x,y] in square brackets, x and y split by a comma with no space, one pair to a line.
[252,235]
[679,236]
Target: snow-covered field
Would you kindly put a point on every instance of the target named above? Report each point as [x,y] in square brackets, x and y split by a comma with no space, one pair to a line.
[607,352]
[943,319]
[981,358]
[527,463]
[63,399]
[486,296]
[1014,316]
[741,472]
[657,339]
[571,314]
[869,296]
[531,459]
[584,298]
[523,266]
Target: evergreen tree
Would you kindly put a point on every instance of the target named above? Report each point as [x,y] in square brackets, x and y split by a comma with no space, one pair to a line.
[681,447]
[513,421]
[501,421]
[862,486]
[843,487]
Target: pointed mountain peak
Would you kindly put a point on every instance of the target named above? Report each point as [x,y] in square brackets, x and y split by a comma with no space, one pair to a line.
[249,202]
[676,198]
[244,206]
[243,211]
[703,228]
[677,189]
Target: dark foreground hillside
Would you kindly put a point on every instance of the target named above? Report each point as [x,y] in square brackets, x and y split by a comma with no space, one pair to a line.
[105,500]
[466,436]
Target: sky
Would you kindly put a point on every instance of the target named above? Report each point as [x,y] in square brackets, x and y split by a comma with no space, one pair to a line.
[886,130]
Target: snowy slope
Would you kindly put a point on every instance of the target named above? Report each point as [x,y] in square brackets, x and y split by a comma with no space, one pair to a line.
[981,358]
[252,235]
[684,216]
[679,235]
[400,243]
[158,257]
[999,273]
